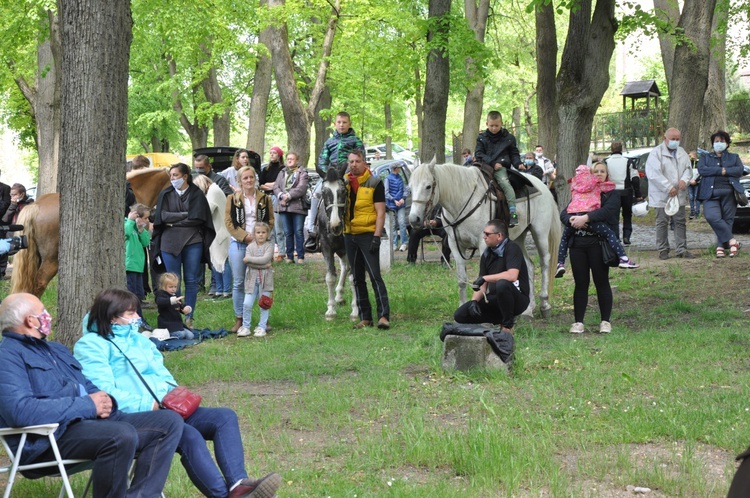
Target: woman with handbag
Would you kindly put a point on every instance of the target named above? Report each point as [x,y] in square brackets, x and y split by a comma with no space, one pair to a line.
[721,191]
[122,362]
[586,256]
[290,190]
[244,208]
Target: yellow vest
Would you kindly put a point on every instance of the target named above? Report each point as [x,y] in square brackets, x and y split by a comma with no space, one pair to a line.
[361,217]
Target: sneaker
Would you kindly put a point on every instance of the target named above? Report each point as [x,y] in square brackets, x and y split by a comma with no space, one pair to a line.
[692,216]
[576,328]
[626,242]
[560,270]
[362,324]
[301,261]
[261,488]
[383,323]
[664,254]
[628,263]
[402,248]
[513,221]
[243,332]
[605,327]
[258,332]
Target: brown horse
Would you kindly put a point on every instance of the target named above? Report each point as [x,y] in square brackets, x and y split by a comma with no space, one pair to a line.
[33,268]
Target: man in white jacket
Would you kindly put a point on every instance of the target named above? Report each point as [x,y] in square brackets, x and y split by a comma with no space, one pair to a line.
[668,171]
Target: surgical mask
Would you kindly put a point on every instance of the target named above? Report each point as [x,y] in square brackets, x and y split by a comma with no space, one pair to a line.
[132,326]
[45,323]
[673,144]
[529,162]
[177,184]
[538,154]
[720,146]
[200,171]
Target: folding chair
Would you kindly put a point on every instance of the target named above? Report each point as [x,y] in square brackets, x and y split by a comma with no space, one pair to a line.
[48,430]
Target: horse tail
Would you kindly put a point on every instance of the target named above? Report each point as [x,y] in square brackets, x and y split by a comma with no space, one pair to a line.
[27,261]
[553,240]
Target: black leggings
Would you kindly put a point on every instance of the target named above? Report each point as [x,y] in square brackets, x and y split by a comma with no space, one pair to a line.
[586,261]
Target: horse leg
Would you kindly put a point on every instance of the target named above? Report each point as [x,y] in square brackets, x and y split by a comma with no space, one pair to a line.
[330,284]
[543,249]
[521,241]
[346,273]
[47,271]
[460,265]
[343,263]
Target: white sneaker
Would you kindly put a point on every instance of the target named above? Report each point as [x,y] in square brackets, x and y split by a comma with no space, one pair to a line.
[402,248]
[258,332]
[576,328]
[605,328]
[243,332]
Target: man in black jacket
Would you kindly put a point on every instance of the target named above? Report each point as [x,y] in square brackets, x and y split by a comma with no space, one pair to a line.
[502,290]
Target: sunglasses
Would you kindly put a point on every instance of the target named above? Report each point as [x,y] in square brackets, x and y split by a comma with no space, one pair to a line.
[487,234]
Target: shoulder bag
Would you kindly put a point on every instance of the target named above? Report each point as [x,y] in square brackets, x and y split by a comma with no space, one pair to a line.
[740,197]
[180,399]
[608,254]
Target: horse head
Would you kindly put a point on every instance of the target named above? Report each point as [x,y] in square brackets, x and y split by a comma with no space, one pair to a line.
[334,199]
[424,193]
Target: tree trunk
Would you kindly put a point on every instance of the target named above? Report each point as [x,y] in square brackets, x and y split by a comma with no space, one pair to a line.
[715,100]
[437,83]
[419,110]
[256,128]
[197,132]
[667,10]
[546,67]
[96,36]
[477,17]
[221,122]
[322,126]
[297,117]
[690,78]
[388,127]
[581,83]
[531,140]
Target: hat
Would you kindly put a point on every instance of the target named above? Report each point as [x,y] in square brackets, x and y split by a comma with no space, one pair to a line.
[277,150]
[672,206]
[640,209]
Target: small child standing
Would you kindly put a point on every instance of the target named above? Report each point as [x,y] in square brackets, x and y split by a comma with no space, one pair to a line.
[258,280]
[396,192]
[171,307]
[137,236]
[586,192]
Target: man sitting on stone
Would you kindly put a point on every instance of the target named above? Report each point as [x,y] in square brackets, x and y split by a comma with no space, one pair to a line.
[502,290]
[42,383]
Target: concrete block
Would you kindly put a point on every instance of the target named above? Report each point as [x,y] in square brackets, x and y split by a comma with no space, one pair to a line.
[468,352]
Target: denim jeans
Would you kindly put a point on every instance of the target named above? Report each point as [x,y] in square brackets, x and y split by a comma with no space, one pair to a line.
[134,282]
[720,211]
[314,205]
[189,261]
[695,204]
[220,426]
[247,310]
[277,232]
[113,442]
[361,260]
[236,255]
[295,236]
[401,219]
[221,283]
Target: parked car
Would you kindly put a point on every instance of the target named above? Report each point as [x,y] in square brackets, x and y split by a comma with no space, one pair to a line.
[397,151]
[639,157]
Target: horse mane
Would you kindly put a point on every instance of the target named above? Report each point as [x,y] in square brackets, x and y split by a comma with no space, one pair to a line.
[457,182]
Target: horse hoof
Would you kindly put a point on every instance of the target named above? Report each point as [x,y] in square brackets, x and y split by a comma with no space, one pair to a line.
[546,313]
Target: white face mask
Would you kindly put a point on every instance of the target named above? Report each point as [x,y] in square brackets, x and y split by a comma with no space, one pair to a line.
[720,146]
[177,184]
[538,154]
[673,144]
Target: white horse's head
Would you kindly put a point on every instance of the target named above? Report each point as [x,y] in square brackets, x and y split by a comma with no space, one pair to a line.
[424,193]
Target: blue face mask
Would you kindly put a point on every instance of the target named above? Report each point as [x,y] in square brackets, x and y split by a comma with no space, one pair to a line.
[177,184]
[133,325]
[720,146]
[529,162]
[673,144]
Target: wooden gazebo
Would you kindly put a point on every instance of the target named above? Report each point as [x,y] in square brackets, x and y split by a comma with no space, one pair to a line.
[645,89]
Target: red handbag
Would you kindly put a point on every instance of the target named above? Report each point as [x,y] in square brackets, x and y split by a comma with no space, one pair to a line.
[265,302]
[181,400]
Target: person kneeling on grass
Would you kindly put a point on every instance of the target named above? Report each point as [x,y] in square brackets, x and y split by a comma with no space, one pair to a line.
[110,332]
[586,190]
[502,290]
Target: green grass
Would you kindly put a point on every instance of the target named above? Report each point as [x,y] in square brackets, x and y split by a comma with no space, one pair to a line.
[346,413]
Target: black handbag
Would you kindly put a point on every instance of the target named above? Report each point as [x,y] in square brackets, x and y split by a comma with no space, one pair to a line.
[608,254]
[740,197]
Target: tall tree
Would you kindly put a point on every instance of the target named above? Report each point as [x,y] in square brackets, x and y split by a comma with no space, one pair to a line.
[256,130]
[546,64]
[437,82]
[298,118]
[476,14]
[714,115]
[96,36]
[581,82]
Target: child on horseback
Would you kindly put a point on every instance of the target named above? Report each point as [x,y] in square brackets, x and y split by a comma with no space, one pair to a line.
[586,192]
[497,147]
[258,280]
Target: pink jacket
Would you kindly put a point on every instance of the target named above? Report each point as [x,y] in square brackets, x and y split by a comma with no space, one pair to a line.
[586,191]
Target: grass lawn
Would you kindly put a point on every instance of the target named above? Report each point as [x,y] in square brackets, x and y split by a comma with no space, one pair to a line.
[663,402]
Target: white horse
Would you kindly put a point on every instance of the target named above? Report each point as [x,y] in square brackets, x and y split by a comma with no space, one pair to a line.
[468,207]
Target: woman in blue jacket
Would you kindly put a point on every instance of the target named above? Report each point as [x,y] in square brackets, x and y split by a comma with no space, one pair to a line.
[720,172]
[110,338]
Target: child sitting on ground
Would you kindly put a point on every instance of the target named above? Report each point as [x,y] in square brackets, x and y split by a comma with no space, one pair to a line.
[170,307]
[258,280]
[586,192]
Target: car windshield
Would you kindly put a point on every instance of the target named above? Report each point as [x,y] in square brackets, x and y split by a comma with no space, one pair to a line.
[397,148]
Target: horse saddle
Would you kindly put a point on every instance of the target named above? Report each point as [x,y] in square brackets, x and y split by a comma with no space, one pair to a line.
[520,182]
